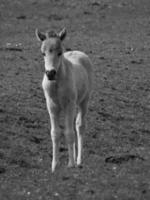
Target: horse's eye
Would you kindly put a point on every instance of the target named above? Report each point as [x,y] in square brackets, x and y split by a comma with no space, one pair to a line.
[43,54]
[60,53]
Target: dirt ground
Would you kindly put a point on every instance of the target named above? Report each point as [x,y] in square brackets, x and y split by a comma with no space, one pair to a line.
[116,36]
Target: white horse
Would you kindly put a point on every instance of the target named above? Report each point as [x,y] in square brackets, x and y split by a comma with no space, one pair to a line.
[67,84]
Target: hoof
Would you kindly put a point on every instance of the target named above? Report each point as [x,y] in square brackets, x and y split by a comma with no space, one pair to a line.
[54,166]
[78,162]
[53,169]
[80,166]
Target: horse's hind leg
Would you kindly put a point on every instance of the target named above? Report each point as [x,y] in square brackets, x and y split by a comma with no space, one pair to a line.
[70,134]
[80,128]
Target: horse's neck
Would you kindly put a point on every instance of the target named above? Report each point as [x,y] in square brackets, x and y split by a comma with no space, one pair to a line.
[63,70]
[58,88]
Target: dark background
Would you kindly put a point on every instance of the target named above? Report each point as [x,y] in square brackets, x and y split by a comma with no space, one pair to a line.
[116,36]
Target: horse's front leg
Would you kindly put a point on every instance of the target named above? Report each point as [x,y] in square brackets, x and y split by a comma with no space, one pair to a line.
[55,135]
[70,134]
[55,132]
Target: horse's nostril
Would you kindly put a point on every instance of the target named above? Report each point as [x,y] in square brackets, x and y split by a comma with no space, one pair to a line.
[51,74]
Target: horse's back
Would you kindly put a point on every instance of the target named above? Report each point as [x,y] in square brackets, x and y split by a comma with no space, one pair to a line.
[80,59]
[81,69]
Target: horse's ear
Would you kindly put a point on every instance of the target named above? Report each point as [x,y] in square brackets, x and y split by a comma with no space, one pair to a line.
[62,34]
[40,36]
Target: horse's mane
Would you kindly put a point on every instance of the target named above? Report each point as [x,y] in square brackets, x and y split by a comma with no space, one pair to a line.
[51,34]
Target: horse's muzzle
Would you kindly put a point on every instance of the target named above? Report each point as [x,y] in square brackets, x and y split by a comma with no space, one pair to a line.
[51,75]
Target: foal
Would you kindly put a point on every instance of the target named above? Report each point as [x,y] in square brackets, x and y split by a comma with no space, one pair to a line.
[67,84]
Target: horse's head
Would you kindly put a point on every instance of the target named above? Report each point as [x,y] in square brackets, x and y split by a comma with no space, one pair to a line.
[52,50]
